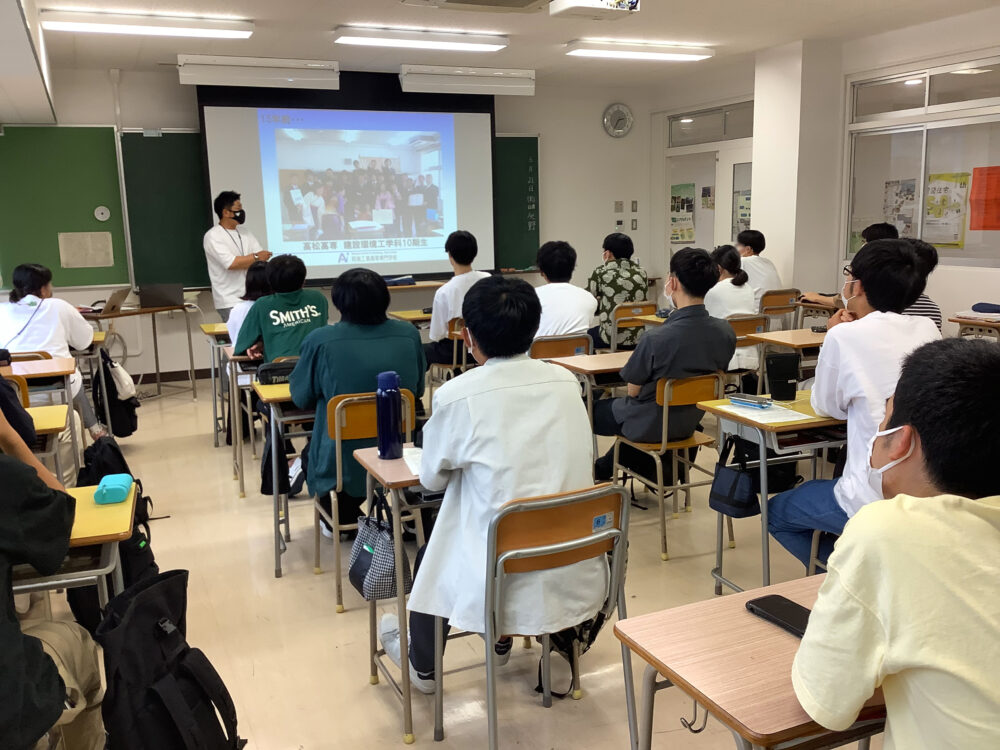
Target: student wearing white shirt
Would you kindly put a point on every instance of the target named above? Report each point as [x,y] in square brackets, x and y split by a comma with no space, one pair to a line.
[761,272]
[474,450]
[732,295]
[910,600]
[34,320]
[857,371]
[257,286]
[462,249]
[566,309]
[229,251]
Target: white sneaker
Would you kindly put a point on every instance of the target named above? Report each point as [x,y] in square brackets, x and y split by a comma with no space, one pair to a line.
[295,468]
[501,659]
[325,530]
[388,636]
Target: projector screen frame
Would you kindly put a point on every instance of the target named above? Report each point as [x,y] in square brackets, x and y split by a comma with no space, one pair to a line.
[358,91]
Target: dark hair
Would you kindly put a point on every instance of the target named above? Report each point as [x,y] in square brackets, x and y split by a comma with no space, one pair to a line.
[890,273]
[224,200]
[881,231]
[286,273]
[462,247]
[940,394]
[619,245]
[502,314]
[927,254]
[728,258]
[28,278]
[361,296]
[257,285]
[695,269]
[753,239]
[556,260]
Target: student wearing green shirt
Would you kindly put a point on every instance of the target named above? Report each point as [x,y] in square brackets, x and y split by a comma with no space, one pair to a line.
[347,358]
[278,323]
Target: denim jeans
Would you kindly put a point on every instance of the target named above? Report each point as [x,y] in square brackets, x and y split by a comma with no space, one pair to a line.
[792,517]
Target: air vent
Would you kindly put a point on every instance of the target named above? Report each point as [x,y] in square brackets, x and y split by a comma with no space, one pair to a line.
[495,6]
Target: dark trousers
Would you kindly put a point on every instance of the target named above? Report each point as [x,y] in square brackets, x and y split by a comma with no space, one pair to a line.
[348,507]
[439,352]
[422,633]
[597,338]
[605,423]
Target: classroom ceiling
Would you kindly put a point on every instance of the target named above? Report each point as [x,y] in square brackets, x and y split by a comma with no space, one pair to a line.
[302,29]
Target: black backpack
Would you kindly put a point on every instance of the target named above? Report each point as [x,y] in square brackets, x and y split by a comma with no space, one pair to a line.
[162,694]
[562,643]
[124,420]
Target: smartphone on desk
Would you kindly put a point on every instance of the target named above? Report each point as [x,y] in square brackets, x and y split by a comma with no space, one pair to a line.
[782,612]
[819,329]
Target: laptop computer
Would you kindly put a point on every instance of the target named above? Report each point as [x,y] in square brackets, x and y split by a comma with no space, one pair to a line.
[161,295]
[115,301]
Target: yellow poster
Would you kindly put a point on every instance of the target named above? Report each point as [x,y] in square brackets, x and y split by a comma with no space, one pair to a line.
[944,209]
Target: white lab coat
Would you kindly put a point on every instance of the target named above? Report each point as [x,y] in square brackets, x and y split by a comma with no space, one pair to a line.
[857,371]
[55,327]
[510,429]
[222,246]
[448,301]
[725,299]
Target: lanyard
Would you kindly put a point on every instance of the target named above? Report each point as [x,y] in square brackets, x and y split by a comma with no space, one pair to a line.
[240,246]
[24,327]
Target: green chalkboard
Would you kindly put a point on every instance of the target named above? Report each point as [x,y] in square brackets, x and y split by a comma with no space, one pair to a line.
[167,209]
[51,180]
[515,200]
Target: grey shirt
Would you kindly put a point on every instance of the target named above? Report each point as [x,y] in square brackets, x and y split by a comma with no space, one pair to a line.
[689,343]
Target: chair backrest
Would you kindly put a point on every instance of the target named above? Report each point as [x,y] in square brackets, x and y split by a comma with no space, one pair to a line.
[548,347]
[622,316]
[351,416]
[21,384]
[779,301]
[455,328]
[743,325]
[688,391]
[28,356]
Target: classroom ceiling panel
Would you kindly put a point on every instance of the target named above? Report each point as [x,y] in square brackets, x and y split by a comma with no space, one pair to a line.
[24,95]
[302,29]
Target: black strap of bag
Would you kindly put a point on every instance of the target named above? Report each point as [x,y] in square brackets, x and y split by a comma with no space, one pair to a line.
[169,693]
[197,665]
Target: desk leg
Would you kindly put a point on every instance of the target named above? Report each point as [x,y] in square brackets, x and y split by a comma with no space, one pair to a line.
[274,489]
[649,688]
[117,579]
[72,425]
[404,645]
[194,387]
[156,355]
[213,351]
[104,390]
[765,537]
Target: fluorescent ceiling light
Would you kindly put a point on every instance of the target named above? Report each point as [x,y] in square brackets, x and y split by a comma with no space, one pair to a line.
[417,39]
[268,72]
[913,82]
[687,120]
[448,79]
[117,23]
[971,71]
[638,51]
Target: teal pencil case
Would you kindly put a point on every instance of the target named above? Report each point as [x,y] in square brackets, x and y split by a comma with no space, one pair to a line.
[114,488]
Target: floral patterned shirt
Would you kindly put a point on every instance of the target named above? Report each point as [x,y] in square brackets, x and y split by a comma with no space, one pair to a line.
[617,281]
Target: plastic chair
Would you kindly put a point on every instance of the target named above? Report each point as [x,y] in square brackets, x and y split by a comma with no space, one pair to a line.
[675,392]
[542,533]
[779,302]
[440,374]
[351,416]
[622,318]
[548,347]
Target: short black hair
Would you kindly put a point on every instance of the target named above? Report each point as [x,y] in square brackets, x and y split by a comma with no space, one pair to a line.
[361,296]
[695,269]
[462,247]
[728,258]
[883,230]
[28,278]
[224,200]
[891,274]
[619,245]
[926,253]
[257,285]
[940,393]
[753,239]
[556,259]
[286,273]
[502,314]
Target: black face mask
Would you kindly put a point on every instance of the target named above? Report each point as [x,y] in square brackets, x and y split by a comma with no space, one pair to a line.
[239,216]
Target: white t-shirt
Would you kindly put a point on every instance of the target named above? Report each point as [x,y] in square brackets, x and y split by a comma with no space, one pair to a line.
[856,373]
[448,302]
[566,309]
[55,326]
[910,604]
[236,318]
[763,277]
[222,247]
[725,299]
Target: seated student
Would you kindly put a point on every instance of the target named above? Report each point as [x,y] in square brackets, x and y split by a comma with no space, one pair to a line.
[474,450]
[462,249]
[36,518]
[880,231]
[276,324]
[690,342]
[761,273]
[732,295]
[620,279]
[257,286]
[347,358]
[910,600]
[566,309]
[857,371]
[15,413]
[34,320]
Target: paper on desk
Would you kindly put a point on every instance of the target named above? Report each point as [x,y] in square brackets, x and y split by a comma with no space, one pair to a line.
[412,458]
[772,415]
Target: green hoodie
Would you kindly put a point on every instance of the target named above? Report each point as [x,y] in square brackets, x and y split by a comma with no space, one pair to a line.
[282,321]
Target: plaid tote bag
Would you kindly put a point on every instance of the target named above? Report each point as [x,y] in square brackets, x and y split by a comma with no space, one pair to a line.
[372,568]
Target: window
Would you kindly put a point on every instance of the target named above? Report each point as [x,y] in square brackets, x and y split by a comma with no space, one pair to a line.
[897,95]
[711,125]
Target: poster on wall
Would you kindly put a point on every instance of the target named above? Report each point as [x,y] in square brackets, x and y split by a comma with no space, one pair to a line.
[741,212]
[899,205]
[682,214]
[945,208]
[708,197]
[984,200]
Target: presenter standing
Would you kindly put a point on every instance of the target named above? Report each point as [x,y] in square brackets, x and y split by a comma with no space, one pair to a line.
[230,250]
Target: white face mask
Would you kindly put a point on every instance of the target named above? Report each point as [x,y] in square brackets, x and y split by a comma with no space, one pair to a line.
[670,298]
[843,298]
[875,475]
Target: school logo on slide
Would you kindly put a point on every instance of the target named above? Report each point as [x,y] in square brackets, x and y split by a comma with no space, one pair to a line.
[293,318]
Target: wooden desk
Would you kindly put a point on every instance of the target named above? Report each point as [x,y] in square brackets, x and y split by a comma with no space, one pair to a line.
[100,524]
[649,320]
[411,316]
[977,328]
[49,422]
[589,366]
[40,369]
[218,336]
[792,441]
[420,285]
[737,666]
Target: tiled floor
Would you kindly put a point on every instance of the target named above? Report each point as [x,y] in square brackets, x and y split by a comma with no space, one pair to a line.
[298,671]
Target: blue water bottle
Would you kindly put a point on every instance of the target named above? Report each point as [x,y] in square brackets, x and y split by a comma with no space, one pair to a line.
[389,416]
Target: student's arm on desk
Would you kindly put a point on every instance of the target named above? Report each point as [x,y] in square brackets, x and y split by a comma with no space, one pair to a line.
[828,397]
[12,445]
[35,520]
